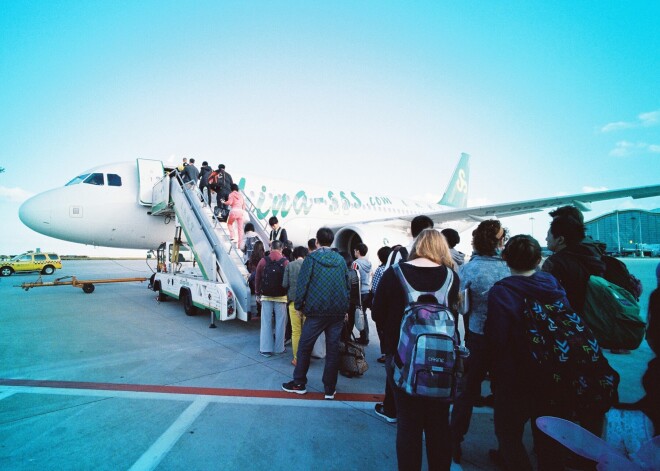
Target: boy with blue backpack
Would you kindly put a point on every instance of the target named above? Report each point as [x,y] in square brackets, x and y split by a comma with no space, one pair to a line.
[545,360]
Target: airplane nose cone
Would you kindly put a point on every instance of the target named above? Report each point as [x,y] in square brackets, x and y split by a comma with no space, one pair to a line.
[35,213]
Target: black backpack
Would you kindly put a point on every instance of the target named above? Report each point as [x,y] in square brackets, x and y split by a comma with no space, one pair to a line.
[573,373]
[272,277]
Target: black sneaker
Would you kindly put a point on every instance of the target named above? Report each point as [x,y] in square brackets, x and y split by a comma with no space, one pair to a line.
[330,396]
[294,387]
[380,411]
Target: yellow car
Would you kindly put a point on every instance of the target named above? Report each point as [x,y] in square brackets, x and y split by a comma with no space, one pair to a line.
[45,263]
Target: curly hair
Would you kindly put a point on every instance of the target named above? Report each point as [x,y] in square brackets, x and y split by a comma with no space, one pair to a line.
[488,236]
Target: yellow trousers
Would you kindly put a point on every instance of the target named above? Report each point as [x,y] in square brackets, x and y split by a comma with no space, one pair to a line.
[297,320]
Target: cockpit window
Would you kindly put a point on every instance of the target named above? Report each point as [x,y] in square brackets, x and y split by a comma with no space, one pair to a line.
[114,180]
[78,179]
[95,179]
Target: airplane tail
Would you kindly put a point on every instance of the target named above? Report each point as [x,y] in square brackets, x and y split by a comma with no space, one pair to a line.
[457,191]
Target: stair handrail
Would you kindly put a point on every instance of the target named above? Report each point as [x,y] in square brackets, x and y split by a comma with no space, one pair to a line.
[216,222]
[190,192]
[187,188]
[260,226]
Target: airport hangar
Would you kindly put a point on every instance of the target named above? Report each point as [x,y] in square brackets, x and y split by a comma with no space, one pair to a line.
[628,232]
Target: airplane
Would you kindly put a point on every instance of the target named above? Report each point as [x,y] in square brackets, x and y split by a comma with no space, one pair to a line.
[111,206]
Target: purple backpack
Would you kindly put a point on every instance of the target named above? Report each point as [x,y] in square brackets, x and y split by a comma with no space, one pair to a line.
[427,362]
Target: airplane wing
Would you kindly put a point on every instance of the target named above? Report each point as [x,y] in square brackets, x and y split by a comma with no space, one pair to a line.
[580,200]
[479,213]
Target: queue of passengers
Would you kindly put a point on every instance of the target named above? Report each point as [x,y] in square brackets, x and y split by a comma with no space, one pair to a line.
[318,290]
[501,278]
[218,181]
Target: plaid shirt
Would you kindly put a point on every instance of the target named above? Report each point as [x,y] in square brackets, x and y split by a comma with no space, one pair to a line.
[378,274]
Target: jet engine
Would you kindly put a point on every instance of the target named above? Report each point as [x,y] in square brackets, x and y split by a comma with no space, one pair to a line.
[374,236]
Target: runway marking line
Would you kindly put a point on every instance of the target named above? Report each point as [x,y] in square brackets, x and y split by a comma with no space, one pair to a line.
[188,390]
[161,447]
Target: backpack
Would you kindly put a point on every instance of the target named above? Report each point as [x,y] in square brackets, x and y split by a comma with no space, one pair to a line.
[573,373]
[249,246]
[427,362]
[399,254]
[213,180]
[272,277]
[617,273]
[613,315]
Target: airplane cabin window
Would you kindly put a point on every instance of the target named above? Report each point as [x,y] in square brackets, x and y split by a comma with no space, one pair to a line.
[95,179]
[78,179]
[114,180]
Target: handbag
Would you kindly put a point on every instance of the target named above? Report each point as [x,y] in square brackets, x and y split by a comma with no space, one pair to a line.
[352,361]
[319,347]
[464,301]
[359,318]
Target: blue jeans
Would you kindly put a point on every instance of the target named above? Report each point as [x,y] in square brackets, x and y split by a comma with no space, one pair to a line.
[312,328]
[417,417]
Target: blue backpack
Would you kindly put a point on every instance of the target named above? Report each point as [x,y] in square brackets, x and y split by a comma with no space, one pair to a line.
[427,362]
[249,246]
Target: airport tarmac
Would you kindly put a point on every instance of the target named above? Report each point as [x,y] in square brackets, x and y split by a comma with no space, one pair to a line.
[116,380]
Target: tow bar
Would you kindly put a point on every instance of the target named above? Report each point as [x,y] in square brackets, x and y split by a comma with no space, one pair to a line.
[86,285]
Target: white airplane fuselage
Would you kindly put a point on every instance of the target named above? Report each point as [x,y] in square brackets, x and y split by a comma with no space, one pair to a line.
[114,210]
[111,216]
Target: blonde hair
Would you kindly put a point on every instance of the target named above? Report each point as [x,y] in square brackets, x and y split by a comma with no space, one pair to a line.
[432,245]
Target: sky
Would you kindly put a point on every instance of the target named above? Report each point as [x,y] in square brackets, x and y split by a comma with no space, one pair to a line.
[548,98]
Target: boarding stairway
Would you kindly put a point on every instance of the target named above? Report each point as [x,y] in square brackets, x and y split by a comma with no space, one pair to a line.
[218,257]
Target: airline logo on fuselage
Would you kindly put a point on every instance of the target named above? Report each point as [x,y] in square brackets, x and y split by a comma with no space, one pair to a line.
[299,203]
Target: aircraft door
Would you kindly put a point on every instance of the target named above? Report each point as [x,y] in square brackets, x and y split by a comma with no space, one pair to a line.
[149,173]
